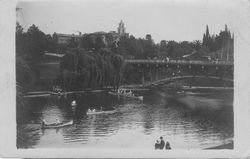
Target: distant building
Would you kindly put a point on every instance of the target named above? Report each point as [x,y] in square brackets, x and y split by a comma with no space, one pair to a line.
[111,37]
[107,38]
[65,38]
[100,34]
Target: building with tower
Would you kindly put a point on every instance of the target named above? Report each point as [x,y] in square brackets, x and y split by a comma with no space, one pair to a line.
[121,30]
[108,38]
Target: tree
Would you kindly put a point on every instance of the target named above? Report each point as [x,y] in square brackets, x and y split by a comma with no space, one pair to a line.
[163,43]
[148,37]
[174,50]
[51,43]
[196,44]
[81,69]
[187,47]
[99,43]
[19,29]
[72,43]
[20,40]
[36,44]
[87,42]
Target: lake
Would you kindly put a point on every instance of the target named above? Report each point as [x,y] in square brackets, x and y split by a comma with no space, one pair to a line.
[194,119]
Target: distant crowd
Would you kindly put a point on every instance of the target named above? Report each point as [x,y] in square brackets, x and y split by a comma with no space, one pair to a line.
[161,144]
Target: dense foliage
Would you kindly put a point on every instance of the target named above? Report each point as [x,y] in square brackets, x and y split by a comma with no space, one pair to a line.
[96,60]
[213,46]
[82,69]
[219,46]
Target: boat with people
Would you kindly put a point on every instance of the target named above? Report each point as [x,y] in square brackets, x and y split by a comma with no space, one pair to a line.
[188,92]
[125,93]
[56,124]
[101,111]
[181,92]
[57,89]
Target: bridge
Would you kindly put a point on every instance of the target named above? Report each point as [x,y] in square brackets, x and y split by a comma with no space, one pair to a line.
[157,71]
[171,79]
[177,62]
[154,61]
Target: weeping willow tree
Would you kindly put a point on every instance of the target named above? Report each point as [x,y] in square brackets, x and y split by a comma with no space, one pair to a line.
[81,69]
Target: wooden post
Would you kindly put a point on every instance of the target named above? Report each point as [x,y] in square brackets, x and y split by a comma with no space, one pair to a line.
[142,79]
[157,74]
[151,76]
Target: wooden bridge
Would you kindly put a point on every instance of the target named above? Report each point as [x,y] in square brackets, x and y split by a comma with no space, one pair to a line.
[154,71]
[154,61]
[177,62]
[157,71]
[171,79]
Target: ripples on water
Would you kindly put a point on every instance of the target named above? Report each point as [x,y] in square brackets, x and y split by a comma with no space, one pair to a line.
[187,121]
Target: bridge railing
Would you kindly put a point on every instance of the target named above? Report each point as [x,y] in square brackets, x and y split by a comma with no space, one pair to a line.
[198,62]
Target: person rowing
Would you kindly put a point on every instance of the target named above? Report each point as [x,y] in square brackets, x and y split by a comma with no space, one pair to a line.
[43,122]
[89,110]
[73,103]
[57,121]
[130,92]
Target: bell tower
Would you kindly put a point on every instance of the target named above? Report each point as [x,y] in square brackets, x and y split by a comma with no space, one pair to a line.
[121,29]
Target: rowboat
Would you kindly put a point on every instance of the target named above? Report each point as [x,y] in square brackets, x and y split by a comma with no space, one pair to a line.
[56,125]
[180,92]
[126,95]
[101,112]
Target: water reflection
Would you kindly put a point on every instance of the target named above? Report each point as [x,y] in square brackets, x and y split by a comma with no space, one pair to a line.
[187,121]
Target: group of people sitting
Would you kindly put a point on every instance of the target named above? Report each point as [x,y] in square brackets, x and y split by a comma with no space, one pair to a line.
[161,144]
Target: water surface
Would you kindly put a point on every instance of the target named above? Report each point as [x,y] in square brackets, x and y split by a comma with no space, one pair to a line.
[196,119]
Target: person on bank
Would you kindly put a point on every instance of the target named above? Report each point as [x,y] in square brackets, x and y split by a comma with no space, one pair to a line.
[162,143]
[157,145]
[167,146]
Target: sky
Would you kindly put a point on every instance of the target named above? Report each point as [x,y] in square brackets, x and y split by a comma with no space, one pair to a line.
[164,19]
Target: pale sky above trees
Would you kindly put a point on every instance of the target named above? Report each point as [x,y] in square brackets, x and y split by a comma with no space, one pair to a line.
[163,19]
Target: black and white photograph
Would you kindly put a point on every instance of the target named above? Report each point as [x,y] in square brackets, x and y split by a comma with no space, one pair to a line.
[126,75]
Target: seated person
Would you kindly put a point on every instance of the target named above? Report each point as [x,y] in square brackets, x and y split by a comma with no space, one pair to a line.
[167,146]
[157,145]
[162,143]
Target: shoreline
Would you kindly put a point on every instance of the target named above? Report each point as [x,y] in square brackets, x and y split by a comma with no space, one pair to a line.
[224,146]
[201,87]
[135,87]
